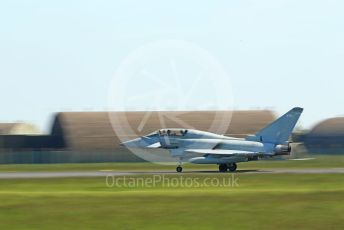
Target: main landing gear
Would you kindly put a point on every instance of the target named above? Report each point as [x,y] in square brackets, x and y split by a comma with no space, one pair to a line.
[228,167]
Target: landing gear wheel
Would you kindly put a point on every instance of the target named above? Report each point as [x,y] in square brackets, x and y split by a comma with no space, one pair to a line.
[179,169]
[232,167]
[223,168]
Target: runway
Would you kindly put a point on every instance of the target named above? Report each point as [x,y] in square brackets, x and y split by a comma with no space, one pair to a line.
[32,175]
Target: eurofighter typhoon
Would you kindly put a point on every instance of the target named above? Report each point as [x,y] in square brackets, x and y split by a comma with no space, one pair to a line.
[201,147]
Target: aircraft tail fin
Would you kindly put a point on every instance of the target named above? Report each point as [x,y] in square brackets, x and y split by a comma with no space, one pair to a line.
[279,131]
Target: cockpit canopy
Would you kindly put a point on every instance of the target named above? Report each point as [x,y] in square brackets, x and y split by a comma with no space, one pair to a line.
[173,132]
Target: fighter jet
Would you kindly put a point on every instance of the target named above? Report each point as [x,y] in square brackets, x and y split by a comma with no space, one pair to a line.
[201,147]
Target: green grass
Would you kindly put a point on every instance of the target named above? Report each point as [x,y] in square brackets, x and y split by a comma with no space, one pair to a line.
[319,162]
[260,201]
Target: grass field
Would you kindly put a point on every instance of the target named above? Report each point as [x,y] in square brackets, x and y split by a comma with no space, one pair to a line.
[318,162]
[175,201]
[263,201]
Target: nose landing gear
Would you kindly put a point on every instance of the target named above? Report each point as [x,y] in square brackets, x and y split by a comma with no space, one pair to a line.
[179,169]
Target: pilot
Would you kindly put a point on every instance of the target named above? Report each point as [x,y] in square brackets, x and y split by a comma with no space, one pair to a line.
[183,132]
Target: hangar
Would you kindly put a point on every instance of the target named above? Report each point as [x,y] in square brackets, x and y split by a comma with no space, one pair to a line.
[80,137]
[90,131]
[24,137]
[18,129]
[327,137]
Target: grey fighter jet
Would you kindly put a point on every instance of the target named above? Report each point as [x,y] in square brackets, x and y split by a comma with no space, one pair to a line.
[201,147]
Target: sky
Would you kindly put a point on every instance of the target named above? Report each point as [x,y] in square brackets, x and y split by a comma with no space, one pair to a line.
[64,55]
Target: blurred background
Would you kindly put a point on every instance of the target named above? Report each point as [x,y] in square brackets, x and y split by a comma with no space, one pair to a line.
[58,60]
[80,137]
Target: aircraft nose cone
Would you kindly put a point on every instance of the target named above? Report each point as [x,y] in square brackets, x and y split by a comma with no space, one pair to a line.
[136,143]
[141,142]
